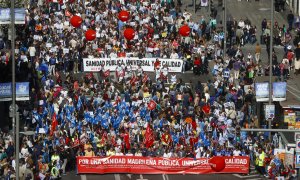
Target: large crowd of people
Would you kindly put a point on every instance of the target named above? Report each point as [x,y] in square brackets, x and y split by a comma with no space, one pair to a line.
[92,114]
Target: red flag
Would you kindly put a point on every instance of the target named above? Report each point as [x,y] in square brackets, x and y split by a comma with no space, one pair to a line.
[133,80]
[118,100]
[149,137]
[193,141]
[106,73]
[126,140]
[163,77]
[151,105]
[54,124]
[68,13]
[121,73]
[145,78]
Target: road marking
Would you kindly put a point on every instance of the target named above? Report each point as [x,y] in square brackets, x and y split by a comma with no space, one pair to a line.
[117,177]
[141,177]
[244,177]
[165,177]
[293,93]
[129,175]
[264,9]
[83,177]
[297,90]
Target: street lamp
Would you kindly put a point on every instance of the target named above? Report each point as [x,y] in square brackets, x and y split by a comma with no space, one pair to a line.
[14,108]
[224,29]
[270,62]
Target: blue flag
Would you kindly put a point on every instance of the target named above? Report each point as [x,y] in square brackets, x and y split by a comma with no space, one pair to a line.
[104,123]
[37,128]
[79,103]
[117,122]
[215,135]
[51,109]
[79,127]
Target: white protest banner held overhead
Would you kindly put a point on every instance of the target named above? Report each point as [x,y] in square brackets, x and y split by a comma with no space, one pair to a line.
[147,64]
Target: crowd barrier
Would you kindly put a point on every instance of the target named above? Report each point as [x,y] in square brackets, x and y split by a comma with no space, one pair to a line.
[159,165]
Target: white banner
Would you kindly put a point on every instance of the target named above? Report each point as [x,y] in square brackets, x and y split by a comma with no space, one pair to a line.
[147,64]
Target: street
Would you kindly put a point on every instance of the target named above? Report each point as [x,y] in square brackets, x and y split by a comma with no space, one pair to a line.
[162,177]
[255,12]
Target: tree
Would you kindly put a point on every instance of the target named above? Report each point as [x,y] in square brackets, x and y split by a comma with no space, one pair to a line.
[18,3]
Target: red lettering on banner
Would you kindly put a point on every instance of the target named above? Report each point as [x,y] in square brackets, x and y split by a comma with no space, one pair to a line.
[147,165]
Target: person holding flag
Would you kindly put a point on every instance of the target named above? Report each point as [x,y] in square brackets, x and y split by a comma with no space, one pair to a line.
[140,71]
[149,136]
[166,139]
[164,73]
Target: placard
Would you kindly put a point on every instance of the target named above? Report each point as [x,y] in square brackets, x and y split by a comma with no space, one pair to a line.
[269,111]
[298,145]
[262,92]
[279,91]
[158,165]
[297,163]
[5,16]
[22,91]
[147,64]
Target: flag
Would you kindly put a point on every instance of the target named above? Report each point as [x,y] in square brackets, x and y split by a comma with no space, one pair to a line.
[54,124]
[106,73]
[151,105]
[145,78]
[117,122]
[104,123]
[79,103]
[121,73]
[149,137]
[133,80]
[215,136]
[37,128]
[158,107]
[68,13]
[126,140]
[143,112]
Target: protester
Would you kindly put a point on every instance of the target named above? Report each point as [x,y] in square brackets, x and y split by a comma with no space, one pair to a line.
[135,115]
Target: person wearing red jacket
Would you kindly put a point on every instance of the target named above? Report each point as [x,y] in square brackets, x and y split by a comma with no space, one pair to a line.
[197,64]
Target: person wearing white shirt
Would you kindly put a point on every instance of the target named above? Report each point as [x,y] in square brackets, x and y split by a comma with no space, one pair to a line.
[32,52]
[139,154]
[174,55]
[113,54]
[241,24]
[166,154]
[129,154]
[118,152]
[157,74]
[198,152]
[24,151]
[236,152]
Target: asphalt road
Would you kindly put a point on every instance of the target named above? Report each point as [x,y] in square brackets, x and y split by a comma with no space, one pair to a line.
[155,177]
